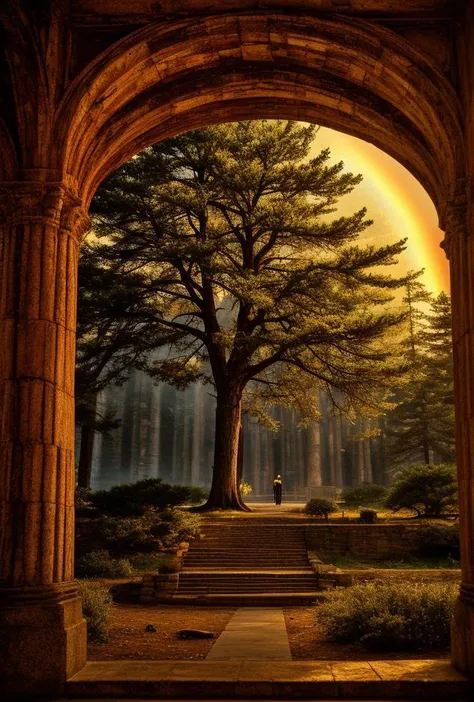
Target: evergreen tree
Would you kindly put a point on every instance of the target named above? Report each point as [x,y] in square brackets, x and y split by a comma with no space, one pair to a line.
[116,329]
[260,286]
[440,378]
[421,427]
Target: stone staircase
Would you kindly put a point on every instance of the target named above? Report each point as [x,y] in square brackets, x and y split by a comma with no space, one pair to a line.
[249,560]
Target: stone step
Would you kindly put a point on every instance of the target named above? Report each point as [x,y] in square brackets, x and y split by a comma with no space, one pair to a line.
[284,680]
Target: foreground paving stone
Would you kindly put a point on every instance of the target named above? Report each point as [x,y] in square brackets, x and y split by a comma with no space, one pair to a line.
[253,634]
[233,679]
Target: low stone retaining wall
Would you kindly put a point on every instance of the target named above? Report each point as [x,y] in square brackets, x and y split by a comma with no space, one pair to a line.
[158,586]
[375,542]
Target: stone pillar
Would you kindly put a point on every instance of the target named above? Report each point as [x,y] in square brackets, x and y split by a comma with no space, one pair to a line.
[43,634]
[459,247]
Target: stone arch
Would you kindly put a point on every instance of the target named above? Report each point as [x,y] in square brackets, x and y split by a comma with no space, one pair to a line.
[346,73]
[166,77]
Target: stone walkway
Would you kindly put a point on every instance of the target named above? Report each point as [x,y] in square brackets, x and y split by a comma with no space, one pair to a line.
[253,633]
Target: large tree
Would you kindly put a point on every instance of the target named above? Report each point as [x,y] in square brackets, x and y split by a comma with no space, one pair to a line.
[261,284]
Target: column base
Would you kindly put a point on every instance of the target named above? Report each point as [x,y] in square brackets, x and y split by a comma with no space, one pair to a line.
[462,632]
[43,639]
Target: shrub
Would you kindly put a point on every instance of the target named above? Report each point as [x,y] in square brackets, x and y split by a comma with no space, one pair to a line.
[367,494]
[427,490]
[386,617]
[368,516]
[96,608]
[155,531]
[147,561]
[83,500]
[320,507]
[438,541]
[170,565]
[179,525]
[134,499]
[197,495]
[100,564]
[245,488]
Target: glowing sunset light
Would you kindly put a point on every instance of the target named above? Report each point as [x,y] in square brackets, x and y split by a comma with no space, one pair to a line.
[395,200]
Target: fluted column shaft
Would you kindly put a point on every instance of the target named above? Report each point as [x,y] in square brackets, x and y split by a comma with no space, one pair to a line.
[41,228]
[459,246]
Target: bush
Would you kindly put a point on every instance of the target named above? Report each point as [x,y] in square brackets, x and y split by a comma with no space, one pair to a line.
[134,499]
[320,507]
[368,516]
[245,488]
[170,565]
[386,617]
[197,495]
[83,500]
[367,494]
[100,564]
[155,531]
[96,608]
[428,490]
[438,541]
[179,525]
[147,561]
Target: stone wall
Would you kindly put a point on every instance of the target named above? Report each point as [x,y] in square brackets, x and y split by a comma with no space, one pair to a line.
[371,541]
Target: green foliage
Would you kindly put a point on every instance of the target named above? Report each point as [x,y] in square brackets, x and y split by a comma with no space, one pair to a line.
[428,490]
[368,516]
[180,525]
[367,494]
[100,564]
[387,617]
[134,499]
[154,531]
[128,535]
[197,495]
[439,541]
[83,499]
[147,561]
[96,607]
[320,507]
[245,488]
[422,423]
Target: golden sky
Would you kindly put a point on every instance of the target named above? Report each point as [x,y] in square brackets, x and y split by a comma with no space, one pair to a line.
[395,200]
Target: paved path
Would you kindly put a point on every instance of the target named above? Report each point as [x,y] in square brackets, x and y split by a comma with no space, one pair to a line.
[253,633]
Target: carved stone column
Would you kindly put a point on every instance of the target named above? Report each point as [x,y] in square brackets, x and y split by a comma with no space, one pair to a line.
[459,247]
[43,634]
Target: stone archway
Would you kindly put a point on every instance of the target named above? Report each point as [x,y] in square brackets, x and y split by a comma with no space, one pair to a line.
[63,137]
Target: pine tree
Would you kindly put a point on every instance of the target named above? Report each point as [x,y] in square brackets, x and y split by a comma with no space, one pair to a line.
[116,330]
[440,378]
[421,427]
[260,286]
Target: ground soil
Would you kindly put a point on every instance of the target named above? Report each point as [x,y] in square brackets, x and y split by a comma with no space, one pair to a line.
[128,639]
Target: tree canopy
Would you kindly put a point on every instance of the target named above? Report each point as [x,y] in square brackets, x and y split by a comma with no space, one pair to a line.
[257,284]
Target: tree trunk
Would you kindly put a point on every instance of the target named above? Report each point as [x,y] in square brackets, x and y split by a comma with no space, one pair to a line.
[84,471]
[224,493]
[240,455]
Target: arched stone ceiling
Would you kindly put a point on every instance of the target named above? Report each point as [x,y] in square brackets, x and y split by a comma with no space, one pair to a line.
[344,73]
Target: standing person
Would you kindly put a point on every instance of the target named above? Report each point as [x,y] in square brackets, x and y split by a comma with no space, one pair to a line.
[277,487]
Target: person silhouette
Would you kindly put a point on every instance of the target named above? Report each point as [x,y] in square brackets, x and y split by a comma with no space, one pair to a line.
[277,488]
